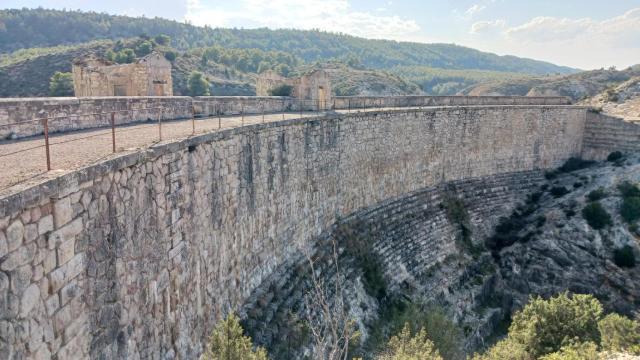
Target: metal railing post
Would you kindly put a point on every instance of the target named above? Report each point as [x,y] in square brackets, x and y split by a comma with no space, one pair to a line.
[160,126]
[113,132]
[193,119]
[349,108]
[263,113]
[242,112]
[46,143]
[283,109]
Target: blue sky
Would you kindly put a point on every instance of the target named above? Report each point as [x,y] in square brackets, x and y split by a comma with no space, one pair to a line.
[580,33]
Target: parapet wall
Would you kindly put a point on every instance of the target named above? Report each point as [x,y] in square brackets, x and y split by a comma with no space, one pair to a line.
[23,117]
[138,256]
[357,102]
[604,134]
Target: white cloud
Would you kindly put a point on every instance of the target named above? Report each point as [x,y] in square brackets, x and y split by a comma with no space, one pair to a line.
[473,11]
[330,15]
[482,27]
[621,29]
[584,42]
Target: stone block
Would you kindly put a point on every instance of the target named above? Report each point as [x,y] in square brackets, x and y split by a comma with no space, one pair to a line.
[15,234]
[66,250]
[50,261]
[30,298]
[65,233]
[68,292]
[62,318]
[21,256]
[62,212]
[30,233]
[45,224]
[42,353]
[4,247]
[52,304]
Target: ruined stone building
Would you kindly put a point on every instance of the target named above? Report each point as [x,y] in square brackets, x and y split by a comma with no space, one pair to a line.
[147,76]
[314,87]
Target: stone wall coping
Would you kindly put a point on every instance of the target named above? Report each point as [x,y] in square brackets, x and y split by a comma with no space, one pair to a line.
[118,98]
[456,97]
[91,98]
[31,193]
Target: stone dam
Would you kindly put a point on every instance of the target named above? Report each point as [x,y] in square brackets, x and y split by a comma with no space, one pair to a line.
[140,255]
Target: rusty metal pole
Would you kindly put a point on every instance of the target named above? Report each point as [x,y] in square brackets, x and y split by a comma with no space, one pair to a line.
[113,132]
[193,119]
[46,143]
[160,126]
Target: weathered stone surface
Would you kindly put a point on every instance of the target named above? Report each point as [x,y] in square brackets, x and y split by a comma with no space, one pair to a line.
[23,255]
[30,298]
[62,212]
[4,246]
[15,234]
[45,225]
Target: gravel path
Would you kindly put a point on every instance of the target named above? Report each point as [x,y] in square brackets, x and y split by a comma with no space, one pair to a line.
[24,160]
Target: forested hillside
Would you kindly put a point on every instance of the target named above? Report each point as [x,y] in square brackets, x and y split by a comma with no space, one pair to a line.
[29,28]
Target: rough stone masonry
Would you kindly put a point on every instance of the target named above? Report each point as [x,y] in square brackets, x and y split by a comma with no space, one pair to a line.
[140,255]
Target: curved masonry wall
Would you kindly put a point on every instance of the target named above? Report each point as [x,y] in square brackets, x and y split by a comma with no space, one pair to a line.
[604,134]
[139,255]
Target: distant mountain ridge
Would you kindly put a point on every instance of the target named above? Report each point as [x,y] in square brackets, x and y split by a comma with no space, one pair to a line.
[29,28]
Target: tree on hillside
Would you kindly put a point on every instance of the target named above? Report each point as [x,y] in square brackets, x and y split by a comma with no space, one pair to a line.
[61,84]
[144,48]
[125,56]
[170,55]
[162,39]
[406,346]
[198,84]
[228,342]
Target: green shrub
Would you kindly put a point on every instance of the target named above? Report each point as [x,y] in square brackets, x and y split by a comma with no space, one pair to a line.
[550,175]
[614,156]
[406,346]
[559,191]
[624,257]
[397,312]
[61,84]
[627,189]
[170,55]
[198,84]
[620,334]
[227,342]
[358,245]
[597,194]
[630,209]
[125,56]
[281,90]
[458,216]
[504,350]
[596,216]
[144,48]
[575,351]
[574,164]
[545,326]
